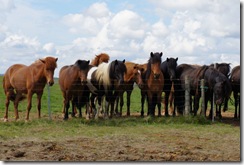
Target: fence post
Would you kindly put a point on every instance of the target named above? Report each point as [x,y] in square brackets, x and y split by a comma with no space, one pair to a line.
[203,97]
[187,96]
[48,102]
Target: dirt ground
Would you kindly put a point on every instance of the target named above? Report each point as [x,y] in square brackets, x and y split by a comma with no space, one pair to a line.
[123,148]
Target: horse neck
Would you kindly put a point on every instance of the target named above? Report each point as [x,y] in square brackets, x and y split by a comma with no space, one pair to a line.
[38,71]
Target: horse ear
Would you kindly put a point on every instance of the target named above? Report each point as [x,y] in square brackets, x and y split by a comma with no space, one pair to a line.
[88,62]
[116,62]
[56,59]
[176,59]
[43,61]
[124,61]
[151,54]
[167,59]
[161,54]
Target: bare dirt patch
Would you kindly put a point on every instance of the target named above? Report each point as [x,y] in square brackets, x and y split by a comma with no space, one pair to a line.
[163,146]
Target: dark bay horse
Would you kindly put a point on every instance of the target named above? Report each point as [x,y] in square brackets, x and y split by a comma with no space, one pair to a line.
[81,99]
[154,82]
[235,83]
[168,68]
[20,79]
[103,57]
[143,70]
[194,73]
[104,80]
[133,75]
[72,81]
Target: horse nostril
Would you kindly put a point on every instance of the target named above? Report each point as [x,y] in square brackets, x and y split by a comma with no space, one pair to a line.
[50,83]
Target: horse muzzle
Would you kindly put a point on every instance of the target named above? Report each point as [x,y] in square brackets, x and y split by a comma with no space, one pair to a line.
[50,83]
[156,76]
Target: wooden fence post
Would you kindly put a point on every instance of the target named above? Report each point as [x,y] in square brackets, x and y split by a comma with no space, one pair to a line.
[203,97]
[187,96]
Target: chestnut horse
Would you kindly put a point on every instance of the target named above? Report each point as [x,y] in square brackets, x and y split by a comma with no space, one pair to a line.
[72,81]
[20,79]
[235,83]
[155,83]
[103,57]
[133,75]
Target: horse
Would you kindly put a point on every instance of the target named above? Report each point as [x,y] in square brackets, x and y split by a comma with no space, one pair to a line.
[235,83]
[103,57]
[154,82]
[72,81]
[225,69]
[143,70]
[218,86]
[104,80]
[20,79]
[133,75]
[194,73]
[168,68]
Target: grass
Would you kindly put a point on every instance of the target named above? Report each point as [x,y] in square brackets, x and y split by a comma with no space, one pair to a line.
[57,128]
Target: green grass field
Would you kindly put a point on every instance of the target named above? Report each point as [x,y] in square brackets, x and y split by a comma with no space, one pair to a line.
[133,130]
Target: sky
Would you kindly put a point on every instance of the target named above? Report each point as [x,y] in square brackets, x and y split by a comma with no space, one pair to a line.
[195,31]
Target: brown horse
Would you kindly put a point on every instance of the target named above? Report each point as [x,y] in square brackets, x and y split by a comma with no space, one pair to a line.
[72,81]
[143,69]
[21,79]
[155,83]
[103,57]
[133,75]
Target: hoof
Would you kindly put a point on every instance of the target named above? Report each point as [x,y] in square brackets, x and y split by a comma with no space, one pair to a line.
[5,120]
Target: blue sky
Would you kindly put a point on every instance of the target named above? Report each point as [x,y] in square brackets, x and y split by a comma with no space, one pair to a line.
[197,32]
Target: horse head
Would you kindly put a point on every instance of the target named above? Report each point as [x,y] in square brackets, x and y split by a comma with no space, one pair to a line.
[171,67]
[50,65]
[83,70]
[118,71]
[154,64]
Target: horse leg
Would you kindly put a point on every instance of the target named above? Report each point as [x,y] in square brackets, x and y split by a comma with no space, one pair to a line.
[128,102]
[117,105]
[236,104]
[142,103]
[121,98]
[73,102]
[166,102]
[39,96]
[29,104]
[159,104]
[67,105]
[7,106]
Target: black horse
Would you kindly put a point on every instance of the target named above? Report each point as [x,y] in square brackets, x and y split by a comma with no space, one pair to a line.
[218,85]
[168,68]
[235,83]
[225,69]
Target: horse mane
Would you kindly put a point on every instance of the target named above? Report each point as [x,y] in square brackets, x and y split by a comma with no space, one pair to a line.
[49,61]
[82,64]
[101,74]
[103,57]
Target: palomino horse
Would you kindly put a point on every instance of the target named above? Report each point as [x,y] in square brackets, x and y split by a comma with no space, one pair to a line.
[168,68]
[133,75]
[103,80]
[72,81]
[155,83]
[235,83]
[103,57]
[21,79]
